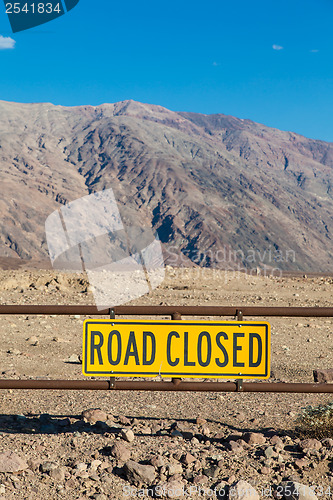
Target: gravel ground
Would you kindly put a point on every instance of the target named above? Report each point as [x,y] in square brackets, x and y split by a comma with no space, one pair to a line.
[166,442]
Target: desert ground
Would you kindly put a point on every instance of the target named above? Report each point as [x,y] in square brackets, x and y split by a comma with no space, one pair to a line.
[141,444]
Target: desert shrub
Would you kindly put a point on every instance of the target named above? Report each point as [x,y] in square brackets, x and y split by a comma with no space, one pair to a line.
[315,421]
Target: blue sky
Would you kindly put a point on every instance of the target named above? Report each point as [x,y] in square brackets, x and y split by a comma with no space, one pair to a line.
[267,61]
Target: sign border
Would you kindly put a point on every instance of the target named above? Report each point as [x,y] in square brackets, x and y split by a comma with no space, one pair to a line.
[113,322]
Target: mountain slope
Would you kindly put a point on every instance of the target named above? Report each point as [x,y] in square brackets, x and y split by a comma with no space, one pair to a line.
[219,189]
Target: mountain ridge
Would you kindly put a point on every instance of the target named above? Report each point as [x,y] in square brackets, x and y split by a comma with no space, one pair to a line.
[205,183]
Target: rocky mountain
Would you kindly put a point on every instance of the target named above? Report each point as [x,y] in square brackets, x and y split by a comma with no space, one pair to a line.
[219,191]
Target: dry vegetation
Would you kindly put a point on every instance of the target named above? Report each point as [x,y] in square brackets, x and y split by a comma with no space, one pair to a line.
[316,421]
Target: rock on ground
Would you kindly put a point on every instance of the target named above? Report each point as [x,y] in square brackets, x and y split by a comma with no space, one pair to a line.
[127,435]
[10,462]
[120,451]
[241,490]
[137,473]
[94,415]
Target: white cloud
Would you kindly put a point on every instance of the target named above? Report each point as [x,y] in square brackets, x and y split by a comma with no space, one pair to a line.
[314,51]
[277,47]
[6,43]
[216,63]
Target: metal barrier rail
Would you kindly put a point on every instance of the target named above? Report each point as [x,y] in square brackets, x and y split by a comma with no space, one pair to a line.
[177,386]
[170,310]
[176,312]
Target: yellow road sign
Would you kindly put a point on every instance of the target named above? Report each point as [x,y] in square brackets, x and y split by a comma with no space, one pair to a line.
[141,348]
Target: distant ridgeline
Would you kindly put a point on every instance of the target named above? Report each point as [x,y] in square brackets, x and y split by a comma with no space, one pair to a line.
[220,192]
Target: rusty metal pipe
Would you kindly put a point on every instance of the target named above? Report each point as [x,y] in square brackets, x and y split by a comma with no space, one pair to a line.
[86,310]
[165,386]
